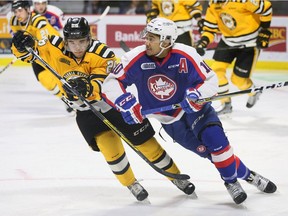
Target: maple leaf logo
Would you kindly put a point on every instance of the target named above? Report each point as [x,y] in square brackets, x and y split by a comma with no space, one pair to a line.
[162,87]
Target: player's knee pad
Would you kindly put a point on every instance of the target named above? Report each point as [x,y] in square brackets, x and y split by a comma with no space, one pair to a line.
[220,70]
[113,151]
[240,82]
[154,152]
[49,81]
[214,138]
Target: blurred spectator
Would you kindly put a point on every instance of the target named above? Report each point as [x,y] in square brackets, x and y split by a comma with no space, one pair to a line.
[93,7]
[280,8]
[5,7]
[137,7]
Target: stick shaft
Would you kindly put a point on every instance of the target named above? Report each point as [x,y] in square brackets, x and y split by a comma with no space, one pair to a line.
[106,121]
[218,97]
[105,12]
[8,65]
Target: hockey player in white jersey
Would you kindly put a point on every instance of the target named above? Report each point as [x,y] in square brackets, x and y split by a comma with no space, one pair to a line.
[167,73]
[53,14]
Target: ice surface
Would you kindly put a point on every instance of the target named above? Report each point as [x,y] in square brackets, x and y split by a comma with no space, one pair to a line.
[47,168]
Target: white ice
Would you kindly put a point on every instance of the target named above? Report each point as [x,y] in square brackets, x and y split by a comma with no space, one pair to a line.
[46,168]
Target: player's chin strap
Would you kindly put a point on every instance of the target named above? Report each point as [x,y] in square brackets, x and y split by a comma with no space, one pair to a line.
[163,48]
[104,119]
[217,97]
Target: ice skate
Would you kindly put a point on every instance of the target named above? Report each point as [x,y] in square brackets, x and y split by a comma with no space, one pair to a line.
[184,185]
[236,191]
[261,183]
[252,99]
[138,191]
[225,107]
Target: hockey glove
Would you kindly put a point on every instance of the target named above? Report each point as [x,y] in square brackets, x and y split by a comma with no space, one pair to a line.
[81,85]
[189,104]
[21,41]
[129,108]
[151,14]
[263,38]
[201,45]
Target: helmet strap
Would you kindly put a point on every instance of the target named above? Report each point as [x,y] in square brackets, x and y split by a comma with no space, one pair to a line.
[162,48]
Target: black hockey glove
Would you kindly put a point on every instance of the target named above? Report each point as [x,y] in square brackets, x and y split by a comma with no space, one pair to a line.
[22,40]
[151,14]
[201,45]
[80,84]
[263,38]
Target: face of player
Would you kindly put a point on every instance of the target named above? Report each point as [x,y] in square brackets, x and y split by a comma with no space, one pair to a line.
[78,46]
[152,42]
[40,7]
[22,14]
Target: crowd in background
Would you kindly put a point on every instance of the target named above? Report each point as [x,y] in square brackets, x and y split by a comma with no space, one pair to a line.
[122,7]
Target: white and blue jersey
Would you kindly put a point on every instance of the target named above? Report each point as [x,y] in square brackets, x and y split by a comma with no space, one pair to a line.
[162,82]
[54,15]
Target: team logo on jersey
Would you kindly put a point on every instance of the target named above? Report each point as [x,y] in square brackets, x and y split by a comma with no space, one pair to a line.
[53,20]
[148,66]
[161,87]
[167,7]
[228,21]
[72,74]
[64,60]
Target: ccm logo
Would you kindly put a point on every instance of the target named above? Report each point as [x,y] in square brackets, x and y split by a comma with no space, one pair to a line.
[126,100]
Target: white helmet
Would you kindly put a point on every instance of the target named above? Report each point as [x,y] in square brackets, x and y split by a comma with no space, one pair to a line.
[39,1]
[165,28]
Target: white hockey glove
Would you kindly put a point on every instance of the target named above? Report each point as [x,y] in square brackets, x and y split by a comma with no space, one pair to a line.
[129,108]
[189,104]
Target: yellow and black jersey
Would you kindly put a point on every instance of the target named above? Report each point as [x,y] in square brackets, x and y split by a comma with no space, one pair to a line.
[237,20]
[37,25]
[97,63]
[179,11]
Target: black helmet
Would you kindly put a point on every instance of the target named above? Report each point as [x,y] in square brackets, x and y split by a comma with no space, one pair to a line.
[20,4]
[76,27]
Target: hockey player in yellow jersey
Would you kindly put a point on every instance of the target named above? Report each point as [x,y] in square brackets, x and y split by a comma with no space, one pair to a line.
[244,28]
[182,13]
[84,63]
[39,27]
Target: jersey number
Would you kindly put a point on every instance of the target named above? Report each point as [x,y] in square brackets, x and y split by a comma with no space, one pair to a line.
[205,66]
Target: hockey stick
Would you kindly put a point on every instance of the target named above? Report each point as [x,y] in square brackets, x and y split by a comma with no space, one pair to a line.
[105,120]
[124,46]
[8,65]
[105,12]
[217,97]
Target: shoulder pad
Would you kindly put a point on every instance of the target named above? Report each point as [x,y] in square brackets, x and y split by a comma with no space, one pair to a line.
[38,21]
[56,41]
[101,49]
